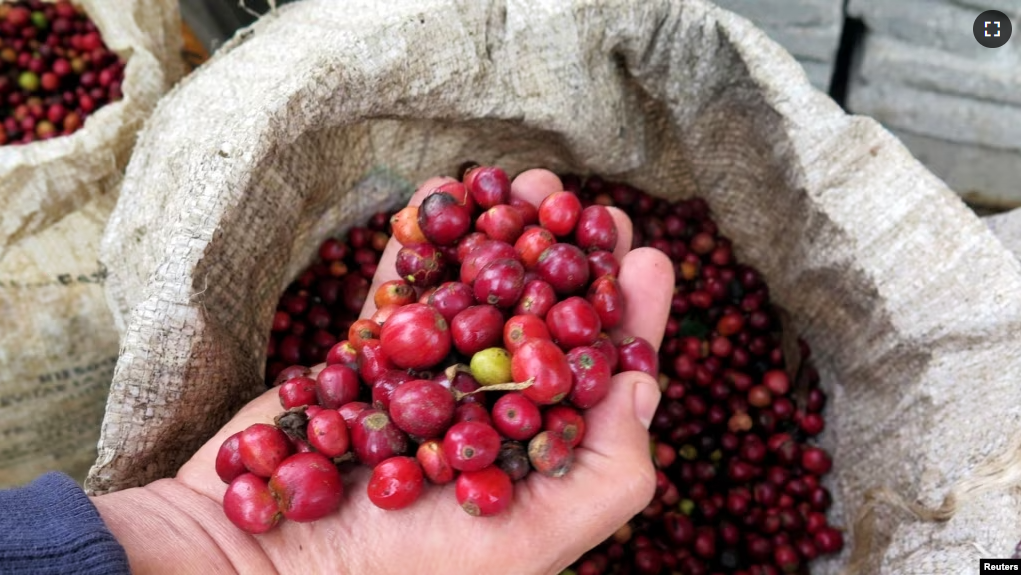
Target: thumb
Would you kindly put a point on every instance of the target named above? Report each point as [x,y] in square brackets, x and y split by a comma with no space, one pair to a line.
[615,449]
[612,478]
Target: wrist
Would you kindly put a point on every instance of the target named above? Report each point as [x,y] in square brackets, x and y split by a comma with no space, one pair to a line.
[166,527]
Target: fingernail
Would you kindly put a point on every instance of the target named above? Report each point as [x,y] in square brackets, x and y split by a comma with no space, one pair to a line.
[646,400]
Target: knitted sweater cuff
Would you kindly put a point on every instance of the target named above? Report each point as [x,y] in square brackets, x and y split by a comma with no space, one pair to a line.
[51,526]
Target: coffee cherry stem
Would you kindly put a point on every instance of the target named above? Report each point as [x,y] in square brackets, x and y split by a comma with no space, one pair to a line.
[510,386]
[349,456]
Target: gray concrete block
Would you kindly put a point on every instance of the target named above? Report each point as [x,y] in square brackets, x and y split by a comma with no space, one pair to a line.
[983,176]
[1008,7]
[819,73]
[940,116]
[934,23]
[886,60]
[788,12]
[955,104]
[1007,227]
[808,29]
[817,43]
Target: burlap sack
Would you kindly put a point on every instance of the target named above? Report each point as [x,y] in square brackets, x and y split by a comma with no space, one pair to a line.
[58,344]
[327,111]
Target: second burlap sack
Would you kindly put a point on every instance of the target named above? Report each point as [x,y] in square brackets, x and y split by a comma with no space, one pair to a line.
[328,111]
[58,343]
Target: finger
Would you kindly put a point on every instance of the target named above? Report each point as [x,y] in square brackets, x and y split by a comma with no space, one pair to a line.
[611,480]
[427,187]
[534,185]
[386,270]
[624,233]
[647,284]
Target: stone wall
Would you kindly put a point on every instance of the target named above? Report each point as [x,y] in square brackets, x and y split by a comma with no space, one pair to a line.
[954,103]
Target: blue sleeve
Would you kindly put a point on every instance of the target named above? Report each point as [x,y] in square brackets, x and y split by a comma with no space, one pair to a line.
[51,526]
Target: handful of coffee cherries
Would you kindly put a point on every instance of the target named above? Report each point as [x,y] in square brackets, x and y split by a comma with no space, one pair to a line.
[475,368]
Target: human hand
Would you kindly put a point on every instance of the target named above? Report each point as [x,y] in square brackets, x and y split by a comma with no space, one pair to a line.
[550,523]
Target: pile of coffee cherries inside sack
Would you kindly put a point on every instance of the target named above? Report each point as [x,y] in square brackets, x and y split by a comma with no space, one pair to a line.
[479,364]
[55,70]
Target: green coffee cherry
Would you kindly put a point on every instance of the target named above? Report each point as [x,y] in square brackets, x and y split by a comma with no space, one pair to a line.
[491,366]
[29,81]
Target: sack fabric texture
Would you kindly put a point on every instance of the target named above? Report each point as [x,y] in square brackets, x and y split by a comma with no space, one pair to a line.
[325,112]
[58,343]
